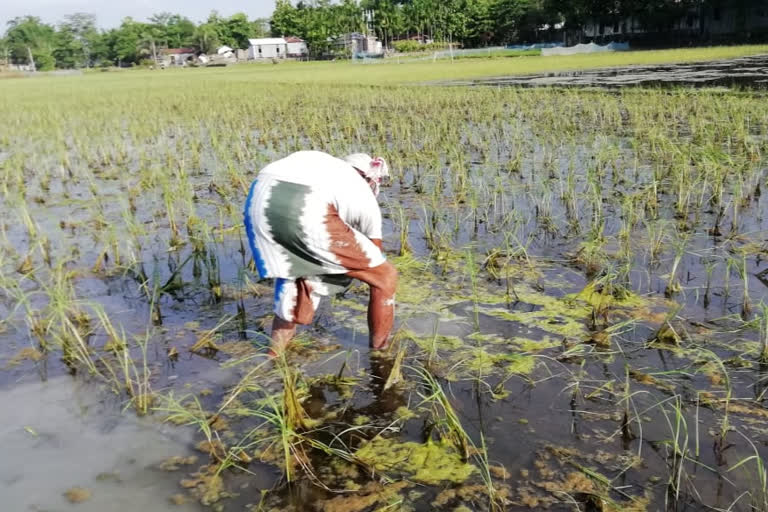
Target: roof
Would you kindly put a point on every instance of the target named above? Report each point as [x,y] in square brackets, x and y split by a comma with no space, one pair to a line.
[267,40]
[293,39]
[177,51]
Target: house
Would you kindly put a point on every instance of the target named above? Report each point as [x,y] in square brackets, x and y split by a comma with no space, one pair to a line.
[225,51]
[267,48]
[297,48]
[357,43]
[177,56]
[695,24]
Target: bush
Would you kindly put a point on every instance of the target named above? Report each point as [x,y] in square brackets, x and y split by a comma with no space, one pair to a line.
[409,46]
[44,61]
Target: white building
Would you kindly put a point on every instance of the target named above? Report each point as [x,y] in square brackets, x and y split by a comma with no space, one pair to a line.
[267,48]
[357,43]
[176,56]
[696,22]
[297,48]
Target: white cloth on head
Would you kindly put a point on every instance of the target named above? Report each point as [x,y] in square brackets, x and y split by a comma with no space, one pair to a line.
[375,169]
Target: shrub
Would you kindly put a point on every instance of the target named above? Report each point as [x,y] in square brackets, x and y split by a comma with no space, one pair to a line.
[44,61]
[408,46]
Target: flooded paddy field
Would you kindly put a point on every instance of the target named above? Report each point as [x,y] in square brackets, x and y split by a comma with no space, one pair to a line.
[581,317]
[743,72]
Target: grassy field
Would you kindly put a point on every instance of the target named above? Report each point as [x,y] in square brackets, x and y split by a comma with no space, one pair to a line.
[582,312]
[409,72]
[396,71]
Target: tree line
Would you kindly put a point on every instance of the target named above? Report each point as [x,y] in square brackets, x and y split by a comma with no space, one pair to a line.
[77,42]
[476,23]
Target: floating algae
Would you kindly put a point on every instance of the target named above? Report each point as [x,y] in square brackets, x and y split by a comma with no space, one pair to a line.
[176,462]
[568,316]
[429,463]
[368,496]
[474,493]
[479,360]
[77,495]
[206,485]
[25,354]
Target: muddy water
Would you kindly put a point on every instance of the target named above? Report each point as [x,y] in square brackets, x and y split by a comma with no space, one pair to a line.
[62,434]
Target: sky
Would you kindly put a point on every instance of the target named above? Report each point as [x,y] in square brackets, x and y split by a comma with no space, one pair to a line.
[110,12]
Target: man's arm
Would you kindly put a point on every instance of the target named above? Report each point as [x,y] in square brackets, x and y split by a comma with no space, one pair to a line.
[377,243]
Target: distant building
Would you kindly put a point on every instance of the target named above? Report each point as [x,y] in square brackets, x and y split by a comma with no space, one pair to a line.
[357,43]
[697,23]
[267,48]
[421,39]
[177,56]
[296,47]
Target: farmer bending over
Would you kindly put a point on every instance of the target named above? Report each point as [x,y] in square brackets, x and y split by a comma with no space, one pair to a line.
[314,224]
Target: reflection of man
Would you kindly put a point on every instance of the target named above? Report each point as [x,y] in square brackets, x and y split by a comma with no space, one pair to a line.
[313,223]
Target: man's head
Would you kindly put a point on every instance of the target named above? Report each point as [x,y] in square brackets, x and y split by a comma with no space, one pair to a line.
[372,169]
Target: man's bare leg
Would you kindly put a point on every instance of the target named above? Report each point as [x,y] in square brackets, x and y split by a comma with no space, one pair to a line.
[381,317]
[282,334]
[302,313]
[381,306]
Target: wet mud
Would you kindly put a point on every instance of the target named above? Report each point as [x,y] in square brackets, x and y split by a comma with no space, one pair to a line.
[741,73]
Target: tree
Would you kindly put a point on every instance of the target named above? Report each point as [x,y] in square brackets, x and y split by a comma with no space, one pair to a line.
[103,50]
[260,27]
[285,19]
[207,37]
[238,30]
[480,29]
[67,51]
[179,32]
[75,39]
[147,44]
[126,41]
[29,36]
[173,30]
[4,51]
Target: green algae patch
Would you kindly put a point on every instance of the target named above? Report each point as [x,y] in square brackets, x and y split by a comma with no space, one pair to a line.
[440,342]
[415,285]
[479,360]
[404,413]
[371,494]
[429,463]
[530,345]
[520,365]
[483,337]
[601,298]
[560,321]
